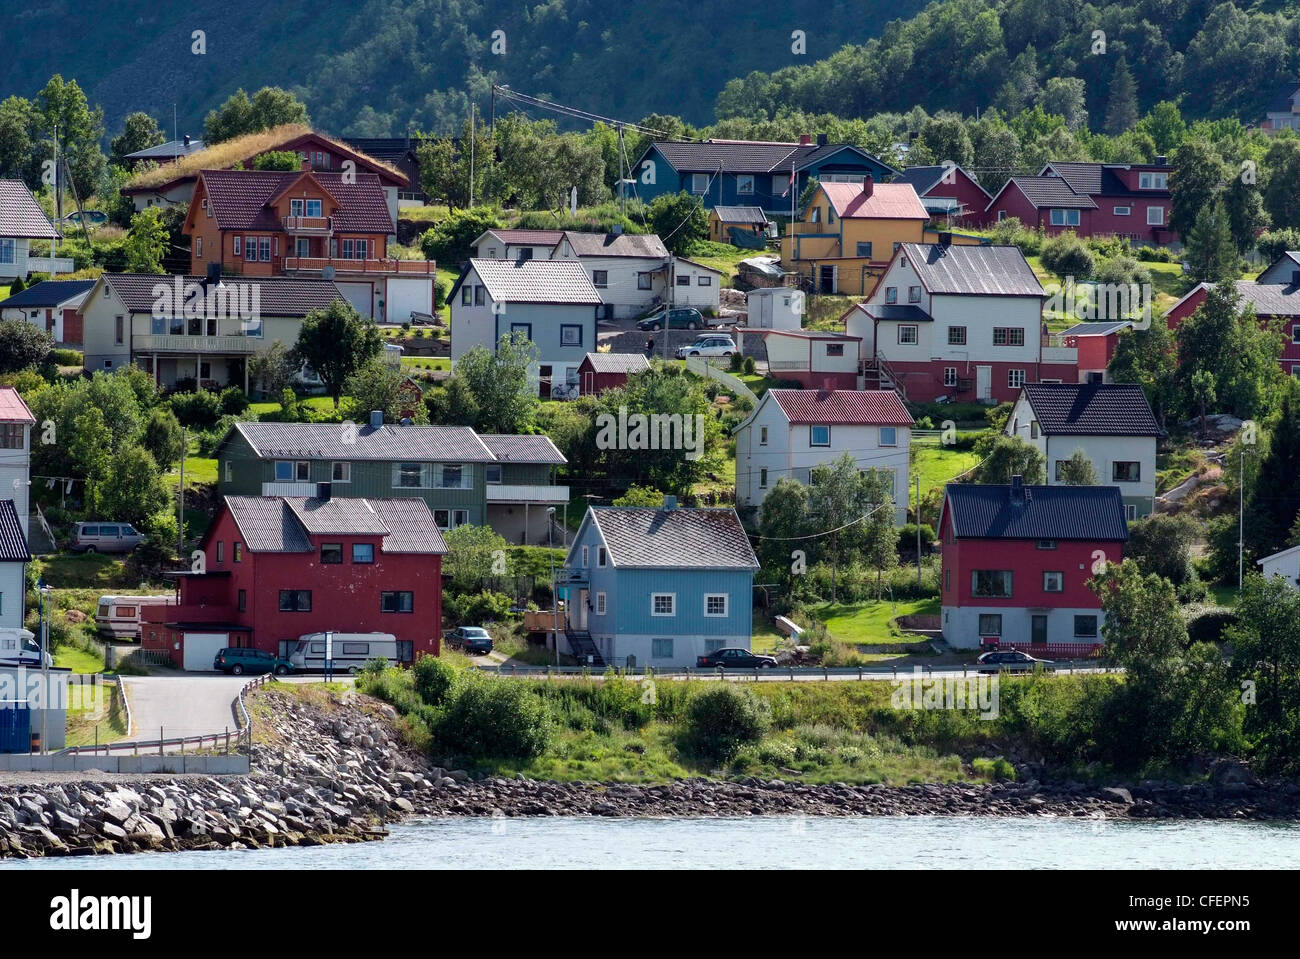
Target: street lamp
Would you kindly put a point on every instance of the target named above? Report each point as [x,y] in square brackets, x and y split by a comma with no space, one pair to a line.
[44,592]
[555,593]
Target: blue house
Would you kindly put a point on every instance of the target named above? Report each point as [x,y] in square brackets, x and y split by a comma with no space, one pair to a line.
[750,172]
[658,587]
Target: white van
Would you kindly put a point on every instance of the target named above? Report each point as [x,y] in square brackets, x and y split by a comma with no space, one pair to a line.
[118,617]
[351,650]
[20,646]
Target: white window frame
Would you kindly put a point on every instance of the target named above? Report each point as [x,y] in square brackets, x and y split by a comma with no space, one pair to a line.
[672,598]
[1015,379]
[1151,180]
[893,435]
[699,183]
[1123,211]
[745,184]
[344,474]
[1068,216]
[584,556]
[949,376]
[1060,581]
[1155,216]
[914,331]
[811,434]
[601,604]
[726,605]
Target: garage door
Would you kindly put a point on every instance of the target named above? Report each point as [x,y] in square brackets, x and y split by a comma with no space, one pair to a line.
[360,295]
[409,293]
[202,648]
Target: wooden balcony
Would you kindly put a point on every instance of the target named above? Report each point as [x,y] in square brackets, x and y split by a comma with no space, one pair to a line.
[388,265]
[309,225]
[172,343]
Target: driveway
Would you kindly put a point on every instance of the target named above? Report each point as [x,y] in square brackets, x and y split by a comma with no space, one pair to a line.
[181,705]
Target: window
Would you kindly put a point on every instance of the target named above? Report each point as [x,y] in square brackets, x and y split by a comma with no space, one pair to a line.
[950,376]
[762,436]
[1123,210]
[864,249]
[889,436]
[663,604]
[1126,471]
[340,472]
[1015,379]
[480,296]
[643,281]
[699,183]
[1153,181]
[991,582]
[584,557]
[834,349]
[762,479]
[11,436]
[1053,582]
[1033,430]
[408,475]
[363,553]
[493,475]
[527,330]
[295,601]
[243,600]
[250,247]
[402,601]
[819,436]
[119,327]
[715,604]
[602,557]
[683,279]
[913,294]
[744,183]
[1130,512]
[956,336]
[661,649]
[1008,336]
[600,278]
[221,552]
[891,294]
[466,295]
[1155,216]
[990,624]
[264,249]
[313,208]
[1295,338]
[198,246]
[237,552]
[1065,217]
[1085,626]
[331,554]
[570,334]
[1046,544]
[8,254]
[454,476]
[907,334]
[289,471]
[1002,215]
[704,280]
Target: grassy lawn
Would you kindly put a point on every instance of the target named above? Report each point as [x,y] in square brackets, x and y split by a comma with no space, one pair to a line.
[78,660]
[86,570]
[1224,595]
[766,639]
[320,403]
[427,362]
[937,464]
[756,382]
[721,256]
[867,623]
[95,718]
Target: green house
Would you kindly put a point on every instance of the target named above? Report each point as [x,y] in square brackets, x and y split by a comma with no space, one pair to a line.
[506,482]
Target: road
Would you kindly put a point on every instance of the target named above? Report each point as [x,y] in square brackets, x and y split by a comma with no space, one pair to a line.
[189,704]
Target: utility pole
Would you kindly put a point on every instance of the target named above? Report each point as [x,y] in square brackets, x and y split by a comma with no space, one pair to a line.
[471,155]
[45,667]
[1241,513]
[555,593]
[180,525]
[918,528]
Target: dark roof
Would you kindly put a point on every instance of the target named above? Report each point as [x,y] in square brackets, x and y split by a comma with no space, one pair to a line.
[842,407]
[1268,299]
[1095,409]
[1051,191]
[926,178]
[982,270]
[727,156]
[677,538]
[240,199]
[1046,512]
[1098,328]
[1100,179]
[20,215]
[48,293]
[740,214]
[277,295]
[821,154]
[166,151]
[388,149]
[284,524]
[515,448]
[906,312]
[444,444]
[617,244]
[1281,101]
[13,544]
[617,362]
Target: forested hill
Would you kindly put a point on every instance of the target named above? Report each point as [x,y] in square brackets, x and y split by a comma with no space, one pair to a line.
[371,67]
[1221,59]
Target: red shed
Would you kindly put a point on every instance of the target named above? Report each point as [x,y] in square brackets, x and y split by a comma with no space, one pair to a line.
[599,372]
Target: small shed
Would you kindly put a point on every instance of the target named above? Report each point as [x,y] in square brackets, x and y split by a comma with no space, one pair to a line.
[743,226]
[27,692]
[599,372]
[775,308]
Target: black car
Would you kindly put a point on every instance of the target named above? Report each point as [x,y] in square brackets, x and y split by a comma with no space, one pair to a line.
[682,318]
[472,639]
[733,657]
[1011,661]
[242,659]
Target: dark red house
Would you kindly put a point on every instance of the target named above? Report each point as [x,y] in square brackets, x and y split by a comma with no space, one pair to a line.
[1096,343]
[948,192]
[276,567]
[1128,200]
[1274,303]
[1016,564]
[599,372]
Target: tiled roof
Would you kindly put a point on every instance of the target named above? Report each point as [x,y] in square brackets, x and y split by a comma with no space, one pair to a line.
[728,156]
[277,295]
[1097,329]
[528,237]
[1082,177]
[48,293]
[1094,409]
[1045,512]
[284,524]
[617,362]
[535,281]
[12,407]
[617,244]
[13,545]
[239,199]
[676,538]
[842,407]
[740,214]
[443,444]
[514,448]
[268,525]
[983,270]
[337,515]
[926,178]
[1101,179]
[20,215]
[166,151]
[809,157]
[1052,191]
[888,201]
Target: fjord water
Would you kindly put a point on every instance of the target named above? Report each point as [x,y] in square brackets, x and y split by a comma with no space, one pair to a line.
[757,842]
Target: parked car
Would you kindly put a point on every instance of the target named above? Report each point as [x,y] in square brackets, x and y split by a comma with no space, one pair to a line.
[241,659]
[472,639]
[21,647]
[733,657]
[682,318]
[715,344]
[89,217]
[105,538]
[307,380]
[1011,661]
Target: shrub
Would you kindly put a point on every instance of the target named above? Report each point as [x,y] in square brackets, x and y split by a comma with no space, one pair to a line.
[749,365]
[736,363]
[907,537]
[1273,243]
[494,718]
[434,680]
[481,607]
[1122,271]
[994,769]
[232,401]
[66,357]
[199,410]
[1205,624]
[722,718]
[1066,255]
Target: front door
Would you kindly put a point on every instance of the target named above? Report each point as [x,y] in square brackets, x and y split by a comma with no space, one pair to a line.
[303,247]
[827,279]
[983,383]
[1038,630]
[580,613]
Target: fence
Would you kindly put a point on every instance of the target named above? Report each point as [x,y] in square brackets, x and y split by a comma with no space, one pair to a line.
[698,365]
[754,674]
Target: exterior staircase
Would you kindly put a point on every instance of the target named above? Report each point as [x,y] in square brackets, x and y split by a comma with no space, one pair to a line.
[582,645]
[877,375]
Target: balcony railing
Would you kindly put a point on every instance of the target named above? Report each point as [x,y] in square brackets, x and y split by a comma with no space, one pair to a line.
[289,489]
[505,493]
[171,343]
[314,264]
[309,224]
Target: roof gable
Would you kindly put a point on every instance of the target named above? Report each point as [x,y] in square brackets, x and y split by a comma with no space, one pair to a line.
[976,270]
[535,281]
[1091,409]
[677,538]
[13,544]
[1089,513]
[887,201]
[21,216]
[12,407]
[842,407]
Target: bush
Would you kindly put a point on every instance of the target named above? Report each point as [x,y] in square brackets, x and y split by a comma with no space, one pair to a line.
[65,357]
[907,537]
[1205,624]
[232,401]
[749,365]
[1273,243]
[434,680]
[1155,254]
[481,607]
[994,769]
[494,718]
[1122,270]
[1066,255]
[199,410]
[722,718]
[736,363]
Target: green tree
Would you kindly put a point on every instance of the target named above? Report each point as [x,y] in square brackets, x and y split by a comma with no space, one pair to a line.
[1161,545]
[1066,97]
[1078,471]
[501,383]
[1066,255]
[269,107]
[1241,354]
[679,220]
[1195,177]
[335,342]
[1202,390]
[449,242]
[1165,125]
[146,242]
[473,554]
[446,166]
[1246,214]
[1008,456]
[1282,187]
[1266,652]
[1274,243]
[1149,357]
[139,132]
[132,490]
[18,158]
[63,111]
[944,137]
[162,437]
[283,160]
[783,518]
[270,370]
[839,494]
[640,496]
[1211,252]
[1274,498]
[22,345]
[1121,102]
[377,386]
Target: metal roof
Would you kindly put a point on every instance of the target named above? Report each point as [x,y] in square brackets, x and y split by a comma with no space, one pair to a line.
[740,214]
[906,313]
[617,362]
[980,270]
[164,151]
[13,544]
[728,156]
[536,281]
[1097,328]
[342,515]
[268,525]
[1043,512]
[617,244]
[285,524]
[1270,299]
[1092,409]
[48,293]
[12,407]
[518,448]
[527,237]
[842,407]
[888,201]
[444,444]
[277,295]
[21,216]
[677,538]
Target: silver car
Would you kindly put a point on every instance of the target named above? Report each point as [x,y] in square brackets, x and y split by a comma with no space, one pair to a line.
[715,344]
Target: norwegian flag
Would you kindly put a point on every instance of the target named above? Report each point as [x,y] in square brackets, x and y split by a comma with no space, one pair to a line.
[790,185]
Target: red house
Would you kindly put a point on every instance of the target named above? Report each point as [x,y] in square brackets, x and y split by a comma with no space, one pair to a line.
[1273,302]
[1092,199]
[276,568]
[1096,343]
[1016,564]
[599,372]
[948,193]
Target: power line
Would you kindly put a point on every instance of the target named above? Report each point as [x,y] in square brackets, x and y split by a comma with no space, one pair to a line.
[790,539]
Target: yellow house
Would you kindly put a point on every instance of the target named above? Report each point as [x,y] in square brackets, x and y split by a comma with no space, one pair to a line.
[849,232]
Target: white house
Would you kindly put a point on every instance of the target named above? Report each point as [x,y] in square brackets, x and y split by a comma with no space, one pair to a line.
[1285,564]
[630,271]
[516,244]
[552,302]
[792,431]
[695,284]
[21,221]
[51,305]
[1111,423]
[16,422]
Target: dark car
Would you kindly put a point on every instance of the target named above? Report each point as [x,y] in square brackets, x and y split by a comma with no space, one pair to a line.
[679,319]
[733,657]
[240,659]
[472,639]
[1011,661]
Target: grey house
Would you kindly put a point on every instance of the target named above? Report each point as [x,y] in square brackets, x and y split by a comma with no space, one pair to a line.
[505,482]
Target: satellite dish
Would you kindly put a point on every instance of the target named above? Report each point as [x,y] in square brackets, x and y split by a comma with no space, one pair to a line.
[327,273]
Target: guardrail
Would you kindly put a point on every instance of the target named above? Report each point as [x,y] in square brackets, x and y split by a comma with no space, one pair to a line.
[126,703]
[788,673]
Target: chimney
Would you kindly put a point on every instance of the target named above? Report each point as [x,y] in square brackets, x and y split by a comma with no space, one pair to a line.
[805,139]
[670,502]
[822,139]
[323,491]
[1162,160]
[945,238]
[868,185]
[1018,490]
[376,419]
